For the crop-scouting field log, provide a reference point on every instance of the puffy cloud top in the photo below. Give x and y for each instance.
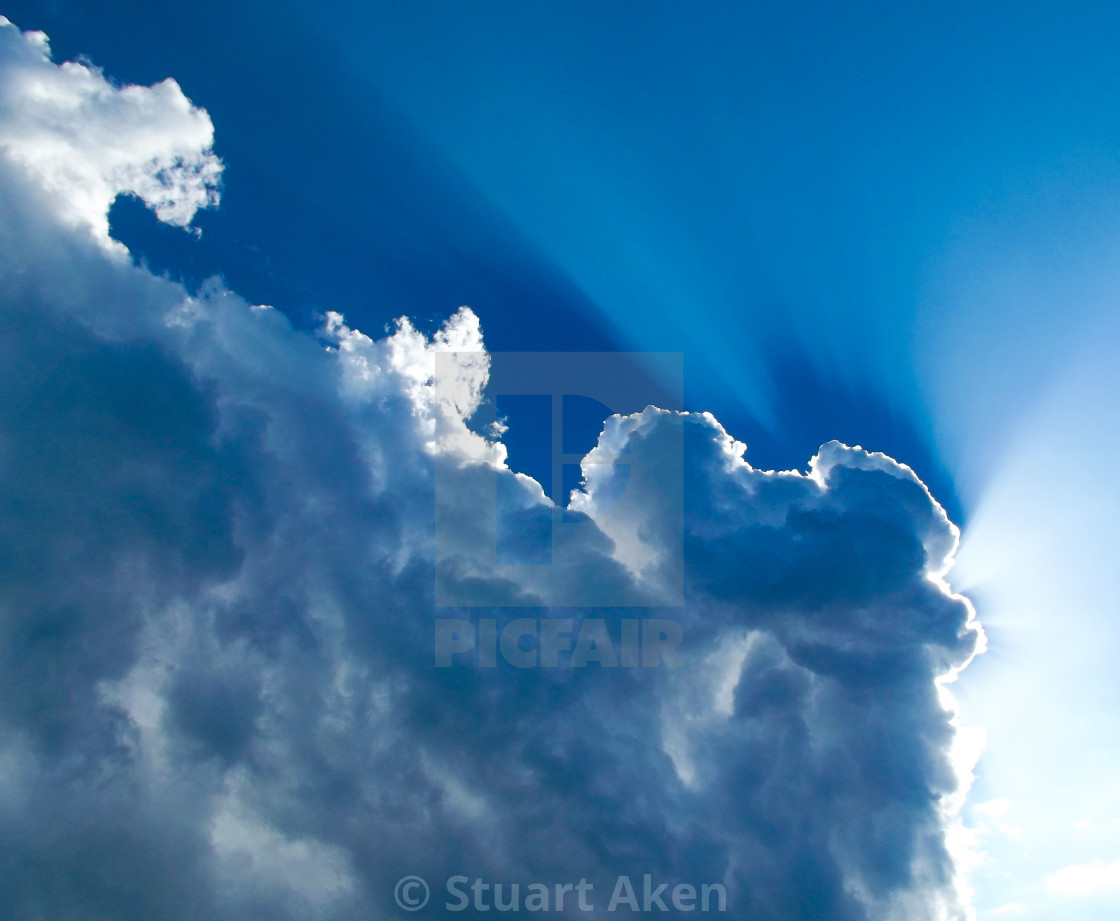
(87, 141)
(219, 548)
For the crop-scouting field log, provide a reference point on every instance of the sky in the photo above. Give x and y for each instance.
(240, 494)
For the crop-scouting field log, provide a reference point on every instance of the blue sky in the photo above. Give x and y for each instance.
(895, 227)
(794, 201)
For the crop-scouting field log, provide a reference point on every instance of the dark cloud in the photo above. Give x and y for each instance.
(219, 547)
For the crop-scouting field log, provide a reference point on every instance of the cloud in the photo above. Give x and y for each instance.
(86, 141)
(218, 560)
(1085, 879)
(1010, 910)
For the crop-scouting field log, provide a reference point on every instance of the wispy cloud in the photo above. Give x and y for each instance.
(1086, 878)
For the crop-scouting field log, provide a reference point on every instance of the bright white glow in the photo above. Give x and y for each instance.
(1037, 555)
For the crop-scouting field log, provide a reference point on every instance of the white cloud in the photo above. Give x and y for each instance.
(86, 141)
(1010, 910)
(1085, 879)
(217, 592)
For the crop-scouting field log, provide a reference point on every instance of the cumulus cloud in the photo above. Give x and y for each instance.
(218, 557)
(86, 141)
